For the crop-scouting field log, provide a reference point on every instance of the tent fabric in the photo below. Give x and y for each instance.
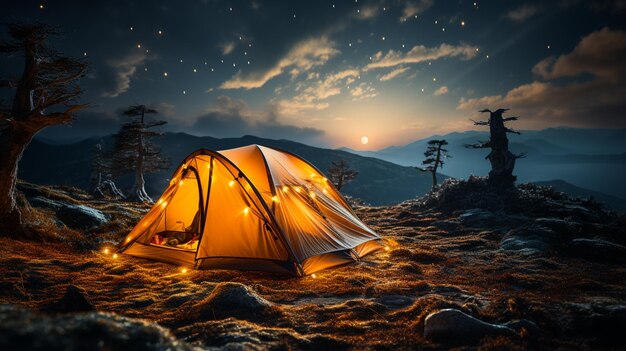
(252, 208)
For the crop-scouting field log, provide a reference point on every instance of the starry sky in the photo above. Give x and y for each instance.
(328, 73)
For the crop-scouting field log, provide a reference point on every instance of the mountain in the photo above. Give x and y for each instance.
(379, 182)
(610, 201)
(594, 159)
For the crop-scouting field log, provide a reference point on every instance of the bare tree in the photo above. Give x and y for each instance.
(135, 152)
(435, 154)
(340, 173)
(102, 184)
(45, 94)
(502, 160)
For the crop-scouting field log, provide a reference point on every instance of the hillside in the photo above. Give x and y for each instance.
(461, 270)
(379, 182)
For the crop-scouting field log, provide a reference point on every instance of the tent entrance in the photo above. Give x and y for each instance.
(180, 224)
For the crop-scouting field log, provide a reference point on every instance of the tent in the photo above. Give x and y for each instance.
(255, 208)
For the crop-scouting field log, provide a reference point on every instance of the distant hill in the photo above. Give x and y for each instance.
(588, 158)
(610, 201)
(379, 182)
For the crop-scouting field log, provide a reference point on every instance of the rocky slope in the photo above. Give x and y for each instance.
(468, 266)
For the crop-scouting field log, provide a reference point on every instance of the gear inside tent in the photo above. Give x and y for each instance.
(251, 208)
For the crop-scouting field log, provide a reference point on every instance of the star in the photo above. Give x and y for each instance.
(434, 79)
(41, 6)
(164, 74)
(443, 29)
(138, 46)
(195, 70)
(181, 60)
(131, 28)
(462, 23)
(160, 32)
(383, 38)
(84, 53)
(184, 92)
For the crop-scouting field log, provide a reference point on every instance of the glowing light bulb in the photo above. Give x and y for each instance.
(183, 270)
(138, 46)
(231, 183)
(313, 275)
(105, 251)
(275, 198)
(160, 201)
(312, 175)
(298, 189)
(180, 183)
(246, 210)
(128, 239)
(114, 255)
(285, 188)
(325, 191)
(387, 248)
(312, 194)
(164, 204)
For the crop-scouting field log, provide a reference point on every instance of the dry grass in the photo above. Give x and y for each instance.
(351, 307)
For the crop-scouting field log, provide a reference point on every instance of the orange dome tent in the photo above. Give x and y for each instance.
(253, 208)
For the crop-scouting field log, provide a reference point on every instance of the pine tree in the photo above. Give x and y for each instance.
(435, 154)
(502, 160)
(102, 185)
(340, 173)
(46, 94)
(134, 152)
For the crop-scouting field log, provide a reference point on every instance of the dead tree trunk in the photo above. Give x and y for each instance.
(502, 160)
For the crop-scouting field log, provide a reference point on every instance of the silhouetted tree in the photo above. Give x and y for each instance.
(340, 173)
(134, 152)
(102, 184)
(45, 94)
(502, 160)
(435, 153)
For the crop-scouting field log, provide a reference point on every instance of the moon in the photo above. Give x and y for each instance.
(365, 140)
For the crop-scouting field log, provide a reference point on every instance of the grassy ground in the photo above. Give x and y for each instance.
(379, 303)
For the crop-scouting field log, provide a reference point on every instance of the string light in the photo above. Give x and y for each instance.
(285, 188)
(312, 175)
(313, 275)
(298, 189)
(164, 204)
(231, 183)
(312, 194)
(387, 248)
(105, 251)
(180, 183)
(275, 198)
(128, 239)
(114, 255)
(325, 191)
(246, 210)
(183, 270)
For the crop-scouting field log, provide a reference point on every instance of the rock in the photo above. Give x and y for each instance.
(559, 225)
(232, 300)
(394, 301)
(24, 330)
(523, 326)
(477, 217)
(43, 202)
(449, 324)
(81, 217)
(74, 300)
(531, 240)
(598, 250)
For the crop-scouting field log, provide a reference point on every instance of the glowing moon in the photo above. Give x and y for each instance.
(364, 140)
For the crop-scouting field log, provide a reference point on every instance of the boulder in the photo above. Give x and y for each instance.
(477, 217)
(44, 202)
(559, 225)
(74, 300)
(21, 329)
(232, 300)
(452, 324)
(81, 217)
(531, 239)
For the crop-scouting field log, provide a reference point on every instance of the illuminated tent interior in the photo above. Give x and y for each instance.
(253, 208)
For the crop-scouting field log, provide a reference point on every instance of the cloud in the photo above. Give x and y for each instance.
(312, 93)
(441, 91)
(227, 47)
(523, 13)
(601, 54)
(120, 71)
(413, 8)
(421, 53)
(393, 74)
(233, 118)
(368, 11)
(584, 88)
(302, 57)
(363, 91)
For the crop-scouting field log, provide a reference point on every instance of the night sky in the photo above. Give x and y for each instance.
(329, 72)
